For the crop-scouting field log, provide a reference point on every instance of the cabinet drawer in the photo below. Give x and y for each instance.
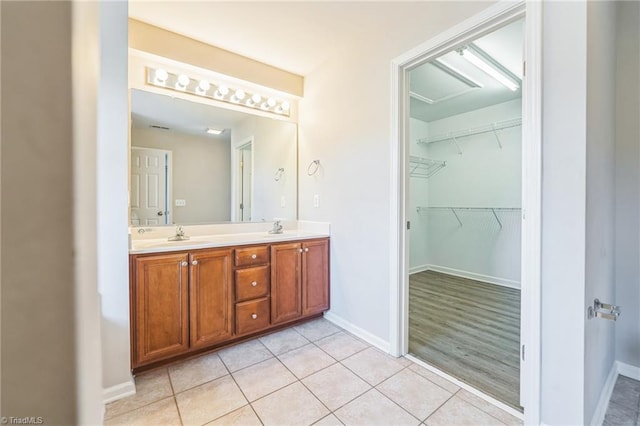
(252, 316)
(252, 283)
(250, 256)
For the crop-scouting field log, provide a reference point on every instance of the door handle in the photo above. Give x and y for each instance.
(160, 213)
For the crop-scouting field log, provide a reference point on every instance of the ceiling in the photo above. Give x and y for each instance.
(181, 116)
(295, 35)
(299, 36)
(447, 95)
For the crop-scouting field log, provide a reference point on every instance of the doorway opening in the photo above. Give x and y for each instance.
(465, 139)
(457, 211)
(245, 181)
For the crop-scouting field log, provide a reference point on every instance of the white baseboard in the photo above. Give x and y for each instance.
(628, 370)
(120, 391)
(466, 274)
(605, 396)
(417, 269)
(358, 332)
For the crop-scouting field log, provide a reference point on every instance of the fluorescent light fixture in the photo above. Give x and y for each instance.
(212, 131)
(489, 69)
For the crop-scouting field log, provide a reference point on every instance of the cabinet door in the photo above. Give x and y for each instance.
(315, 277)
(160, 304)
(211, 297)
(286, 288)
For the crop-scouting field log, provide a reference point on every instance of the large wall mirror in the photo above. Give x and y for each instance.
(196, 163)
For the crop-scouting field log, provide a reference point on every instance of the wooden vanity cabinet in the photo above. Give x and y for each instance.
(182, 302)
(210, 297)
(315, 277)
(252, 289)
(159, 302)
(299, 280)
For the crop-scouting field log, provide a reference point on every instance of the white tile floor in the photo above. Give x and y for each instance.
(314, 373)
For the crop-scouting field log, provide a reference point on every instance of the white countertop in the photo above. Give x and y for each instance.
(160, 245)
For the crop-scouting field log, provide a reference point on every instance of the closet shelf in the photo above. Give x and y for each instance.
(424, 167)
(488, 128)
(454, 210)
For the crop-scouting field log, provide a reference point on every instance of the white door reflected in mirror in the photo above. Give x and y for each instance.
(150, 186)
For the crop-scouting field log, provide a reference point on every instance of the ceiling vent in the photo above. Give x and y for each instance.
(153, 126)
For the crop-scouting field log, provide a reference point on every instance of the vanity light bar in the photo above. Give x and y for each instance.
(183, 83)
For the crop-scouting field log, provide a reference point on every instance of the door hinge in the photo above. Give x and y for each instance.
(241, 206)
(523, 352)
(408, 225)
(524, 69)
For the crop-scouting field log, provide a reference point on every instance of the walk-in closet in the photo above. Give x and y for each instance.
(465, 173)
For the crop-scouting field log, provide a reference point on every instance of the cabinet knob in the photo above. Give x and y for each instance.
(300, 250)
(254, 283)
(194, 262)
(183, 263)
(253, 256)
(254, 316)
(306, 249)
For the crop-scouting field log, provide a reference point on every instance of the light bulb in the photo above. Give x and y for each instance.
(203, 87)
(250, 102)
(279, 110)
(285, 105)
(161, 76)
(271, 102)
(224, 90)
(182, 83)
(240, 94)
(264, 106)
(256, 98)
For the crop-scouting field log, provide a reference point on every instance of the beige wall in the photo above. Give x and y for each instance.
(274, 147)
(155, 40)
(201, 173)
(38, 332)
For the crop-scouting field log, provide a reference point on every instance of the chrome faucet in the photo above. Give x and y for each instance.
(180, 236)
(277, 228)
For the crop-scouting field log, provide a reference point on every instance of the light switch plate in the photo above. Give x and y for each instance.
(181, 203)
(316, 200)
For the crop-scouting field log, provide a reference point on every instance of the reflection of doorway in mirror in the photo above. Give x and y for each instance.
(150, 186)
(245, 176)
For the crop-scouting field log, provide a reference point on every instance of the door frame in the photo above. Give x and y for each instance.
(474, 27)
(235, 170)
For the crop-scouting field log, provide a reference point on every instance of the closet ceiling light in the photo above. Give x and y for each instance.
(212, 131)
(218, 91)
(482, 64)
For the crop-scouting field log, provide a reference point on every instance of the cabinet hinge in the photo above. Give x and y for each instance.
(523, 352)
(524, 69)
(408, 225)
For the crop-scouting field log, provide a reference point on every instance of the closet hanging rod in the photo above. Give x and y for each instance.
(455, 209)
(420, 208)
(488, 128)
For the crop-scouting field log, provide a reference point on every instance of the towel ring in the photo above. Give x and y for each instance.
(315, 163)
(279, 174)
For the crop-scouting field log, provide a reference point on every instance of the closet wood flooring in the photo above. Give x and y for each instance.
(468, 329)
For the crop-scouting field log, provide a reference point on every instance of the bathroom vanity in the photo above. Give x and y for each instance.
(212, 291)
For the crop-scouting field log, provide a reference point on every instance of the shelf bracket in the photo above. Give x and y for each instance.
(496, 216)
(455, 141)
(456, 215)
(495, 133)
